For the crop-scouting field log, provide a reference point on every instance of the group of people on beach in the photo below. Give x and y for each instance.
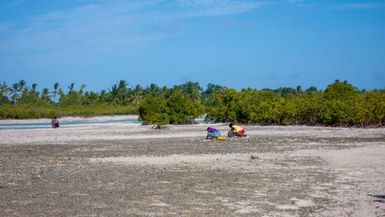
(212, 133)
(235, 131)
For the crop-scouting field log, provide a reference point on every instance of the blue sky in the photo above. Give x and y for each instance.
(236, 43)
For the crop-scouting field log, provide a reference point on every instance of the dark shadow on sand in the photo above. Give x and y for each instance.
(378, 197)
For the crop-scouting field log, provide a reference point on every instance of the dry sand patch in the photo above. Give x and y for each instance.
(125, 170)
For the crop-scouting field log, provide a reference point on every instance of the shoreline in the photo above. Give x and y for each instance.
(135, 117)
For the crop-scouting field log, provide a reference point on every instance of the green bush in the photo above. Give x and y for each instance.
(341, 104)
(176, 108)
(150, 108)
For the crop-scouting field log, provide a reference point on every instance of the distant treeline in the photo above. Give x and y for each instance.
(340, 104)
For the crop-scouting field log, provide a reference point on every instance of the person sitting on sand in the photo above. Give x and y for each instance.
(212, 133)
(236, 131)
(55, 122)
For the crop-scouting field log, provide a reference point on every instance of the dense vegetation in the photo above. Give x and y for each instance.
(340, 104)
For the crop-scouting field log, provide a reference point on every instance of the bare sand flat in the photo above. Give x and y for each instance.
(122, 169)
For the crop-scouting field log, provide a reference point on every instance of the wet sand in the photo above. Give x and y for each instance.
(122, 169)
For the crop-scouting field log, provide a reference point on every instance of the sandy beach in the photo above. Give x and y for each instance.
(125, 169)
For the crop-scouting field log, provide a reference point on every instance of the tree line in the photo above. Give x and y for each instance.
(340, 104)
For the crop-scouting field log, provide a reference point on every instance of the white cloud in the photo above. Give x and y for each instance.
(294, 1)
(100, 28)
(362, 5)
(218, 7)
(299, 3)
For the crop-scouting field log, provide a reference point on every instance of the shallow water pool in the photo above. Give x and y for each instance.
(36, 125)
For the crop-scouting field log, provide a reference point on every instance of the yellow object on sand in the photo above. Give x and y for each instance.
(221, 138)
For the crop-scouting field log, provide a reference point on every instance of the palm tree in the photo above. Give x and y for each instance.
(153, 90)
(61, 92)
(122, 91)
(21, 84)
(81, 90)
(32, 96)
(45, 95)
(71, 88)
(103, 97)
(4, 89)
(33, 88)
(136, 94)
(15, 93)
(114, 94)
(34, 91)
(55, 91)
